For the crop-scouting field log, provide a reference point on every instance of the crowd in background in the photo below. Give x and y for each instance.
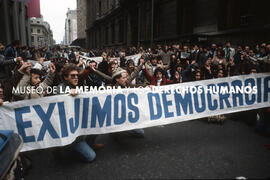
(162, 65)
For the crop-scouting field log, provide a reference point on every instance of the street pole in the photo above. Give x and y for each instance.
(152, 24)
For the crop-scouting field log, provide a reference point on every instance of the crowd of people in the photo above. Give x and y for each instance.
(162, 65)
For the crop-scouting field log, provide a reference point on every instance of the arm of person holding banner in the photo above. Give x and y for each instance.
(49, 79)
(148, 75)
(25, 81)
(101, 74)
(136, 71)
(14, 80)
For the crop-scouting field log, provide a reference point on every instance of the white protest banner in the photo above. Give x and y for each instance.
(59, 120)
(45, 63)
(135, 58)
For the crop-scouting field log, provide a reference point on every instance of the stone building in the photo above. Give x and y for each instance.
(41, 34)
(81, 23)
(70, 27)
(113, 23)
(14, 22)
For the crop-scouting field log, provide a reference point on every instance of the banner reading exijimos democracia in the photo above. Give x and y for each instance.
(58, 120)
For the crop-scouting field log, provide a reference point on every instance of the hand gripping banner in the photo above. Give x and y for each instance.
(59, 120)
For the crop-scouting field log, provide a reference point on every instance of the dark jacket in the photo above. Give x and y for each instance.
(153, 80)
(10, 52)
(123, 62)
(10, 84)
(104, 66)
(5, 71)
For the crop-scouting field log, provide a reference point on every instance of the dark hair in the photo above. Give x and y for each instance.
(159, 58)
(36, 71)
(130, 61)
(158, 69)
(59, 65)
(117, 77)
(68, 68)
(222, 53)
(152, 58)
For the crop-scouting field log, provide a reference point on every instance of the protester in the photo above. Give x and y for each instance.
(32, 80)
(163, 65)
(5, 62)
(70, 75)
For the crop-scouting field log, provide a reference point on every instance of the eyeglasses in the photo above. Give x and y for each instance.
(73, 76)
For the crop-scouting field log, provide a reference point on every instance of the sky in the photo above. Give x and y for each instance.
(54, 12)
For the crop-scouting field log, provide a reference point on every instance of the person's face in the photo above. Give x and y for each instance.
(2, 48)
(220, 74)
(159, 75)
(104, 55)
(178, 61)
(257, 47)
(268, 47)
(228, 44)
(93, 65)
(122, 54)
(214, 46)
(247, 48)
(239, 49)
(198, 76)
(154, 62)
(160, 62)
(208, 62)
(173, 57)
(35, 80)
(262, 51)
(251, 53)
(131, 67)
(108, 58)
(179, 69)
(185, 48)
(113, 66)
(73, 78)
(122, 81)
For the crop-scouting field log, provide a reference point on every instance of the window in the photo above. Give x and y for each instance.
(31, 30)
(32, 38)
(38, 22)
(38, 31)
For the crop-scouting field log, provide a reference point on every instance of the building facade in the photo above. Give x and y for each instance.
(41, 34)
(113, 23)
(34, 8)
(70, 27)
(81, 23)
(14, 22)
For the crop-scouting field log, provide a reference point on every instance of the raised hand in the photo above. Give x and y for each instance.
(52, 68)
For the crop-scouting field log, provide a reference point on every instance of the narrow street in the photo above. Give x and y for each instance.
(193, 149)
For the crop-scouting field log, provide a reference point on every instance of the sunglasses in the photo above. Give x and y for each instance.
(73, 76)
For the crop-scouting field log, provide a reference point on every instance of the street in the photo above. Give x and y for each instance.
(193, 149)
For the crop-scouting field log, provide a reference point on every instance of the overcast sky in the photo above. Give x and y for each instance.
(54, 12)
